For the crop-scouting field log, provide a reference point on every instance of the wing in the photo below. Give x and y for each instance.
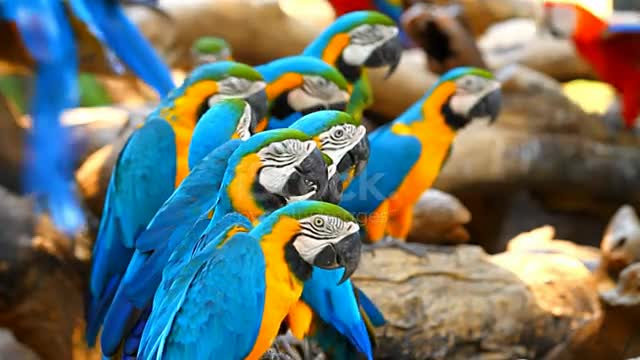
(214, 310)
(190, 199)
(210, 132)
(370, 309)
(138, 187)
(195, 196)
(337, 305)
(106, 19)
(392, 157)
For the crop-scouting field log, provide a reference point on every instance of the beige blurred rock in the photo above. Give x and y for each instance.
(542, 240)
(460, 303)
(519, 41)
(439, 218)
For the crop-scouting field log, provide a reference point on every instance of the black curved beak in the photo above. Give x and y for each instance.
(344, 254)
(311, 175)
(258, 102)
(489, 105)
(333, 194)
(388, 54)
(356, 158)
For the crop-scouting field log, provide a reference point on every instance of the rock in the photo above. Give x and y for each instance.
(41, 281)
(439, 218)
(440, 33)
(11, 349)
(542, 240)
(459, 303)
(621, 242)
(520, 41)
(479, 15)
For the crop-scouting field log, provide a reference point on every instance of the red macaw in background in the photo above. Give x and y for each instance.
(611, 47)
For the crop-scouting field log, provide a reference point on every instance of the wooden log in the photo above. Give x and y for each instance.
(459, 303)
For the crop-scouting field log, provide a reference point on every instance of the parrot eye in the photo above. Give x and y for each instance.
(339, 133)
(318, 222)
(319, 87)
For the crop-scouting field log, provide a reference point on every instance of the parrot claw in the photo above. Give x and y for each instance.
(288, 344)
(415, 249)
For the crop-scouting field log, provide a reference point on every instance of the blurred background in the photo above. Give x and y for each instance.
(539, 208)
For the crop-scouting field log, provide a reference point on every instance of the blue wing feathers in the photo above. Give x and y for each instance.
(337, 305)
(392, 157)
(221, 305)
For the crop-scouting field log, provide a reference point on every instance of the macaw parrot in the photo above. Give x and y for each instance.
(408, 153)
(229, 300)
(344, 140)
(391, 8)
(159, 151)
(262, 174)
(46, 29)
(612, 49)
(208, 49)
(354, 42)
(341, 138)
(299, 85)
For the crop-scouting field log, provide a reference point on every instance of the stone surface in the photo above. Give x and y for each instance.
(439, 218)
(459, 303)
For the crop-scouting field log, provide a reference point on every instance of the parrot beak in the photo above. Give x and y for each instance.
(344, 254)
(310, 179)
(333, 194)
(356, 158)
(488, 105)
(388, 54)
(258, 102)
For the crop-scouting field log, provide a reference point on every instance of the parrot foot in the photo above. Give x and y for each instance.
(416, 249)
(287, 344)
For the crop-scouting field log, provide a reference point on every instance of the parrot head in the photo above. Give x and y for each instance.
(569, 19)
(226, 120)
(209, 49)
(301, 85)
(209, 84)
(343, 139)
(274, 168)
(315, 233)
(461, 95)
(359, 39)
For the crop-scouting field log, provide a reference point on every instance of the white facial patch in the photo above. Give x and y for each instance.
(561, 20)
(279, 161)
(365, 39)
(340, 139)
(244, 123)
(316, 92)
(470, 89)
(318, 231)
(234, 88)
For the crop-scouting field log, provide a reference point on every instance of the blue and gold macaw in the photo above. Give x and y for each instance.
(299, 85)
(408, 153)
(156, 159)
(263, 173)
(354, 42)
(344, 140)
(209, 49)
(48, 31)
(229, 300)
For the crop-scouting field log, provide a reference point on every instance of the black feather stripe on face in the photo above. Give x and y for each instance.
(350, 72)
(300, 268)
(455, 121)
